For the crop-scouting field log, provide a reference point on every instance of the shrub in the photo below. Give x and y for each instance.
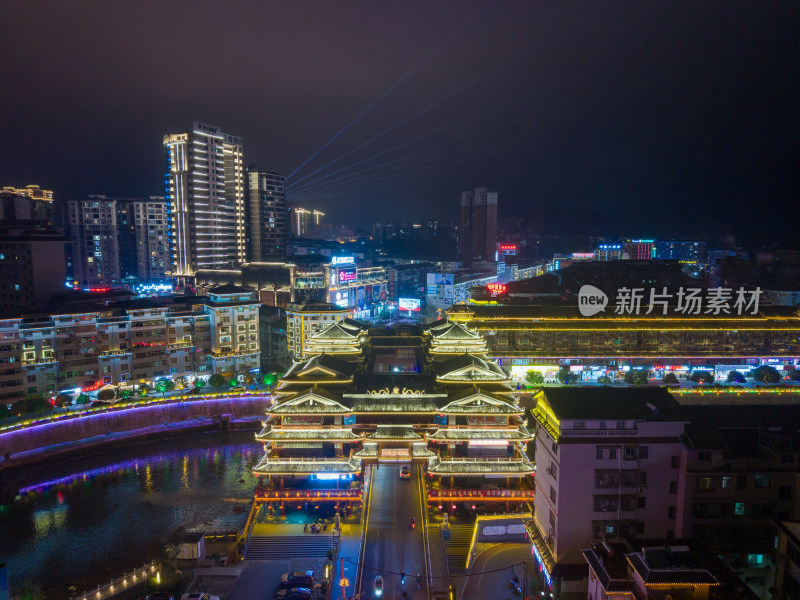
(670, 379)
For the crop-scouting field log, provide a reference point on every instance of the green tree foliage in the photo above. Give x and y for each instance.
(126, 394)
(640, 378)
(766, 374)
(106, 395)
(735, 377)
(233, 382)
(5, 411)
(702, 377)
(216, 380)
(604, 379)
(63, 400)
(534, 377)
(566, 376)
(83, 399)
(164, 385)
(19, 408)
(670, 379)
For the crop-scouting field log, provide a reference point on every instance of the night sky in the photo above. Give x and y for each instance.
(647, 118)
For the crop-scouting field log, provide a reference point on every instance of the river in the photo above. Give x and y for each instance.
(83, 521)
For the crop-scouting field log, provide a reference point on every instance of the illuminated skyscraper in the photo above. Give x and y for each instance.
(205, 199)
(477, 233)
(305, 222)
(266, 215)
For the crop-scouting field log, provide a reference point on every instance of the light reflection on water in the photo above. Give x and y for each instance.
(94, 518)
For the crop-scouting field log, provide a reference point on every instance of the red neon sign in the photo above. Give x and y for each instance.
(508, 246)
(496, 288)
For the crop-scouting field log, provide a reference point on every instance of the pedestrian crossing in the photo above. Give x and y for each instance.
(456, 548)
(290, 546)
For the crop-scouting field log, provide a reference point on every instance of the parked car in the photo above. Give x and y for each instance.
(160, 596)
(405, 472)
(199, 596)
(295, 593)
(302, 579)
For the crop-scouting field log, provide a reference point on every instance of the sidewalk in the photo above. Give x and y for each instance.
(440, 582)
(349, 550)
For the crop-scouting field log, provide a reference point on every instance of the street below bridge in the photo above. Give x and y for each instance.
(391, 545)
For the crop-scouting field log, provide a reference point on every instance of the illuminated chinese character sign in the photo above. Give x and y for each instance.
(686, 301)
(496, 288)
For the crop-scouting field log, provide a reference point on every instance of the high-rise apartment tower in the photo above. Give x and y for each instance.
(477, 234)
(205, 199)
(266, 215)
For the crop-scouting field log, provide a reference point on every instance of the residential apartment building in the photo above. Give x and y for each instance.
(26, 208)
(205, 193)
(32, 270)
(477, 232)
(266, 215)
(304, 320)
(143, 239)
(89, 345)
(92, 227)
(602, 459)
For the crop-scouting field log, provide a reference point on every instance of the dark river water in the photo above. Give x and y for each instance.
(84, 521)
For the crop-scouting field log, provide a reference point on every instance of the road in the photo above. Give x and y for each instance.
(492, 571)
(391, 545)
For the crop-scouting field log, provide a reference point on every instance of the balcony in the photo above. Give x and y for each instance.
(262, 495)
(480, 495)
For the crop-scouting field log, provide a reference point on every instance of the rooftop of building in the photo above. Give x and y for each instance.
(608, 562)
(315, 307)
(606, 403)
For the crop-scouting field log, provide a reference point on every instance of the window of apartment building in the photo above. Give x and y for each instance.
(599, 452)
(639, 527)
(580, 424)
(641, 502)
(673, 487)
(630, 453)
(704, 483)
(552, 519)
(620, 424)
(612, 453)
(552, 494)
(671, 512)
(741, 481)
(675, 462)
(738, 508)
(554, 470)
(641, 478)
(31, 378)
(726, 481)
(704, 456)
(643, 451)
(761, 481)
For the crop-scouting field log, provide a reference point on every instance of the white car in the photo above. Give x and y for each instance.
(405, 472)
(199, 596)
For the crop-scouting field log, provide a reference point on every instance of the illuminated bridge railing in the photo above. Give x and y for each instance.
(485, 495)
(272, 495)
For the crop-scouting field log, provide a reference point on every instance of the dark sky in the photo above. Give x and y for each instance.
(642, 118)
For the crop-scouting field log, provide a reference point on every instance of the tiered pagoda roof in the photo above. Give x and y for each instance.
(344, 337)
(454, 338)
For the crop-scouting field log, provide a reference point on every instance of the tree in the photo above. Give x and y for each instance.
(83, 399)
(604, 379)
(534, 377)
(216, 380)
(164, 385)
(106, 395)
(766, 374)
(735, 377)
(630, 377)
(269, 379)
(4, 411)
(670, 379)
(126, 394)
(794, 374)
(247, 379)
(566, 376)
(63, 400)
(181, 382)
(36, 403)
(702, 377)
(233, 382)
(19, 408)
(640, 378)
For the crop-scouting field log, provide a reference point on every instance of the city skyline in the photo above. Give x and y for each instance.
(543, 110)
